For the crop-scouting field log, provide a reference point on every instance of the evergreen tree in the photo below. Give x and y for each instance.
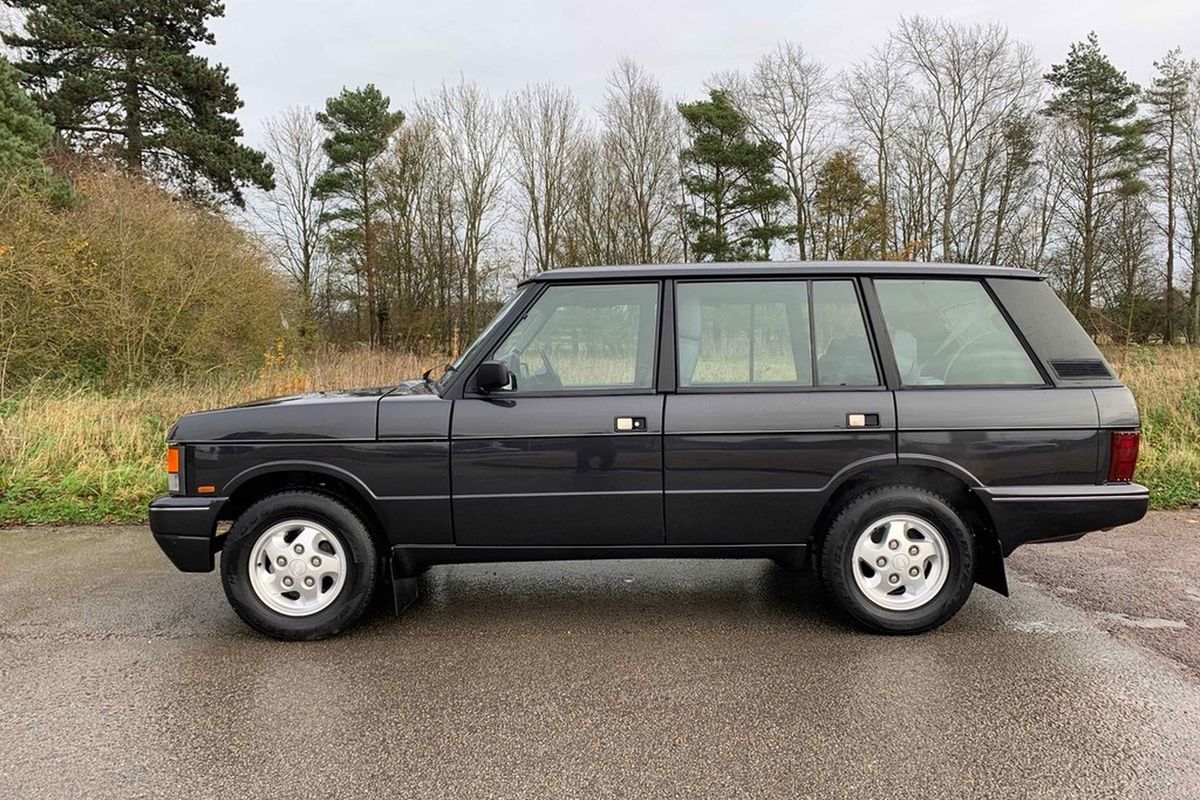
(121, 78)
(359, 123)
(1168, 100)
(1099, 104)
(734, 214)
(24, 132)
(845, 209)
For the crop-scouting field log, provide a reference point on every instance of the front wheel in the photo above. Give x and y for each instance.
(899, 559)
(299, 565)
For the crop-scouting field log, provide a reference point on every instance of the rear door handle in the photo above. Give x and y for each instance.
(857, 420)
(628, 424)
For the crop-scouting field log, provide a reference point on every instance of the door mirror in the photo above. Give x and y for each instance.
(492, 375)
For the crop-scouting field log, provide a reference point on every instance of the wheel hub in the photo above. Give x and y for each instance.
(900, 562)
(297, 567)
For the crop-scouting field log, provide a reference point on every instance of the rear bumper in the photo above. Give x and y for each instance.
(1025, 514)
(185, 528)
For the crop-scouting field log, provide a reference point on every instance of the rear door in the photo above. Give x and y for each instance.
(570, 453)
(778, 393)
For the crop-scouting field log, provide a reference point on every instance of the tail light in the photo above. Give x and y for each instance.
(173, 469)
(1122, 457)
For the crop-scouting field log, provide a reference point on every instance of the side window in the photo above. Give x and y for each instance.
(743, 333)
(950, 333)
(840, 337)
(585, 337)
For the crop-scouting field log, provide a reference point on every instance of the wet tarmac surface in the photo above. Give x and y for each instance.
(122, 678)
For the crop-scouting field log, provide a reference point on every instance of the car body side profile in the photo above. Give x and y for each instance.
(901, 428)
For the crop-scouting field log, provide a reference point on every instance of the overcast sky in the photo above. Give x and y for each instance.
(298, 52)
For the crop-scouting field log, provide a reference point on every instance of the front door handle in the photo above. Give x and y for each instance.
(855, 420)
(629, 424)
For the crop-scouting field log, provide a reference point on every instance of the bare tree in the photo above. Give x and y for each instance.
(470, 129)
(1168, 101)
(291, 213)
(640, 135)
(872, 93)
(545, 129)
(1189, 200)
(785, 97)
(973, 78)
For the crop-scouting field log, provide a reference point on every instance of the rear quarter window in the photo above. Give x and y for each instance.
(951, 333)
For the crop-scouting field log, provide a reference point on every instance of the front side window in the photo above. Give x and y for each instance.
(950, 333)
(772, 333)
(584, 337)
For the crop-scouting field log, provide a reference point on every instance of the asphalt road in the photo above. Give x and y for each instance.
(122, 678)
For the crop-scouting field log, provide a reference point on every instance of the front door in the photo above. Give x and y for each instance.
(570, 453)
(779, 393)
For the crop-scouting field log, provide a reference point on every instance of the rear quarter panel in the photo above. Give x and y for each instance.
(1002, 437)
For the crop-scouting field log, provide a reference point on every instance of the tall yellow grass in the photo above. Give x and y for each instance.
(77, 455)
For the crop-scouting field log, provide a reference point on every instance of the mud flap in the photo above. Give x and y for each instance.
(989, 572)
(405, 588)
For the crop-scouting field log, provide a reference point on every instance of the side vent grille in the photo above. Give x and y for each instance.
(1080, 369)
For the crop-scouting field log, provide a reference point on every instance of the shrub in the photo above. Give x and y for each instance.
(126, 286)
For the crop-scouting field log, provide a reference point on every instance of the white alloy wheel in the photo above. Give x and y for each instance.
(297, 567)
(900, 562)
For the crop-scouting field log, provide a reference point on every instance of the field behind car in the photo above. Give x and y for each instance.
(71, 454)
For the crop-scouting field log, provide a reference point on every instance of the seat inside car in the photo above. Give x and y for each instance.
(688, 329)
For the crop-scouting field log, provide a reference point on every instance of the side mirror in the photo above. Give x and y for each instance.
(492, 375)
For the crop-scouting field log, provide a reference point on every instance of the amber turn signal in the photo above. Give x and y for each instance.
(206, 489)
(172, 460)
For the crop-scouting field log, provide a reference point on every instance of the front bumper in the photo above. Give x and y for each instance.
(185, 528)
(1025, 514)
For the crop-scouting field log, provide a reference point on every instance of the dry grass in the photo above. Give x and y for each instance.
(76, 455)
(82, 456)
(1166, 383)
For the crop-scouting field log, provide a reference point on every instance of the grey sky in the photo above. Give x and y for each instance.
(298, 52)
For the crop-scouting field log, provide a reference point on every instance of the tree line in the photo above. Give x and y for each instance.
(404, 226)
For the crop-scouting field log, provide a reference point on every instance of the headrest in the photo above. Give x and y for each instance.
(687, 318)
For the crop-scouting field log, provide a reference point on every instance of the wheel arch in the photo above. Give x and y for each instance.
(264, 479)
(944, 477)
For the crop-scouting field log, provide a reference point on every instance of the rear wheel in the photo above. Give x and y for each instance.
(299, 565)
(898, 559)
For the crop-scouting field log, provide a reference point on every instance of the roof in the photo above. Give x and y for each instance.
(779, 269)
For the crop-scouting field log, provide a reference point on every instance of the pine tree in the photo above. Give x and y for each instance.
(121, 78)
(359, 123)
(736, 198)
(25, 135)
(1099, 103)
(1168, 100)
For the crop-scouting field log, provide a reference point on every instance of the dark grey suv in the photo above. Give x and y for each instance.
(900, 427)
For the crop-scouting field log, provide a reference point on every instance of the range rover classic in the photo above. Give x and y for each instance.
(898, 428)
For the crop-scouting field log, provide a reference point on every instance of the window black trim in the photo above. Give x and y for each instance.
(667, 362)
(473, 394)
(740, 388)
(885, 334)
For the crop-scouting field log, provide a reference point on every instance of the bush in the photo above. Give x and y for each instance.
(126, 285)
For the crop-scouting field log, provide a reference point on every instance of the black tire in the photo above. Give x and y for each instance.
(363, 565)
(859, 511)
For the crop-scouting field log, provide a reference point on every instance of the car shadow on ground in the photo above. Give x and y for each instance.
(601, 594)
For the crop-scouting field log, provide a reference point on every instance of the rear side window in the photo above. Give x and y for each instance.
(950, 333)
(786, 334)
(840, 341)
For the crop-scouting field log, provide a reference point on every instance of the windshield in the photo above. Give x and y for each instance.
(483, 335)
